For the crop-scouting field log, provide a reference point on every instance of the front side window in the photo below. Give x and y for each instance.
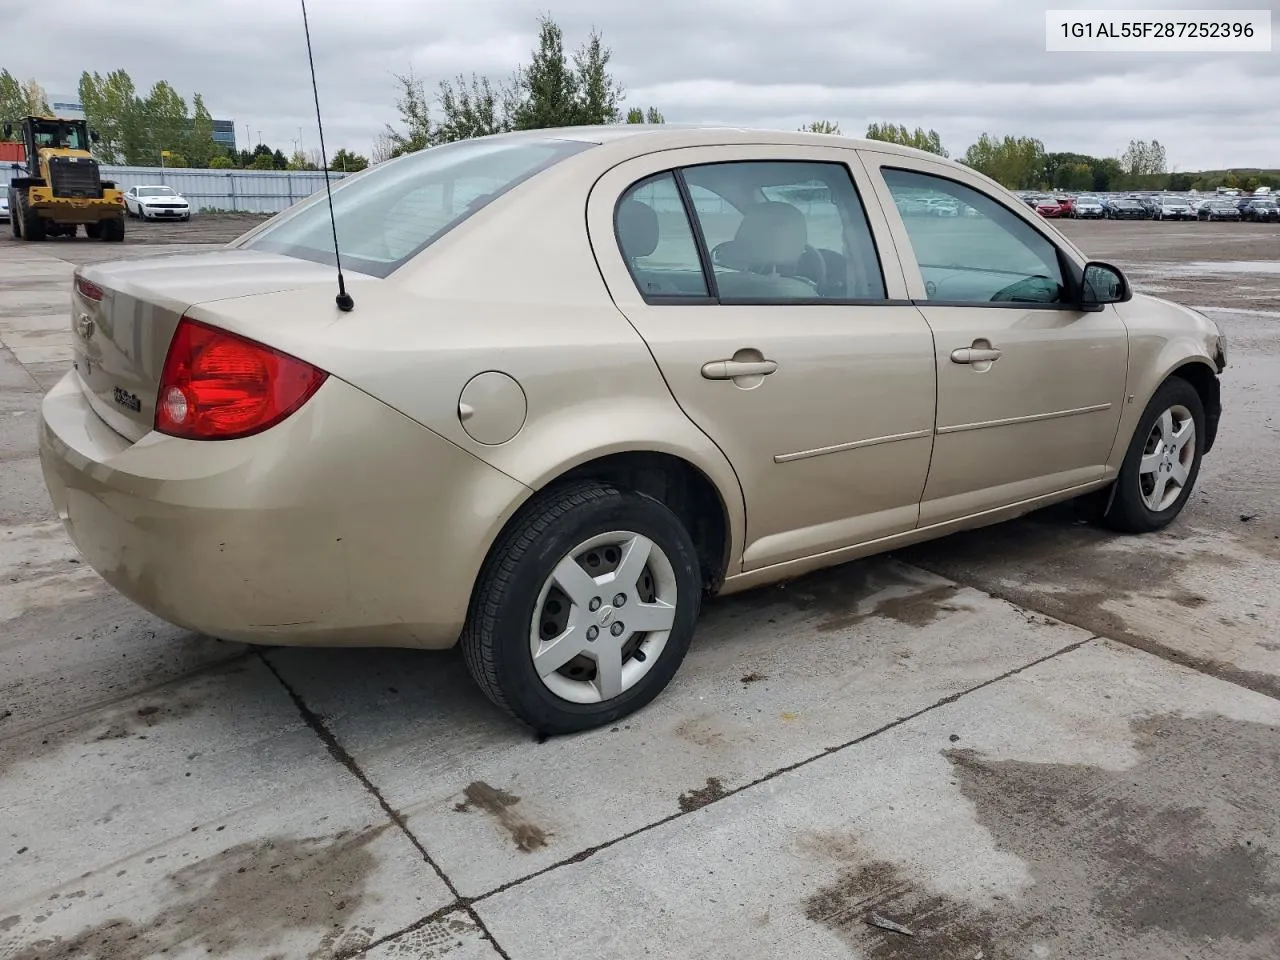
(657, 241)
(989, 256)
(779, 231)
(391, 212)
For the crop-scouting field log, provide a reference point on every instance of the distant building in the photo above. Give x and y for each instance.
(69, 106)
(224, 133)
(66, 105)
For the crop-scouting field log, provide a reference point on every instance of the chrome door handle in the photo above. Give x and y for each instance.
(975, 355)
(732, 369)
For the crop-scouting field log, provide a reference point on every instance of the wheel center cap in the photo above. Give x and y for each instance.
(605, 615)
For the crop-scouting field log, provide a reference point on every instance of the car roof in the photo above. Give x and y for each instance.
(671, 135)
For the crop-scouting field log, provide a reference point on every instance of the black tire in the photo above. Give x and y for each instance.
(496, 640)
(32, 226)
(112, 231)
(93, 230)
(1129, 512)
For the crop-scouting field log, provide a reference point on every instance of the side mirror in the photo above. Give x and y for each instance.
(1102, 284)
(93, 135)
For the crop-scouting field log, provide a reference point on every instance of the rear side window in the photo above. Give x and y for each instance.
(771, 232)
(785, 231)
(388, 214)
(657, 241)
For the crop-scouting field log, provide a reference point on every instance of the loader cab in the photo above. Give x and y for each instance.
(52, 133)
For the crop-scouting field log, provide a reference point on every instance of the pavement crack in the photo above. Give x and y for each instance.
(1256, 682)
(726, 794)
(340, 754)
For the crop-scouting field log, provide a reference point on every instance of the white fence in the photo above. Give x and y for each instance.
(244, 191)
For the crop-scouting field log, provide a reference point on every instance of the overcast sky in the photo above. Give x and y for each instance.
(959, 66)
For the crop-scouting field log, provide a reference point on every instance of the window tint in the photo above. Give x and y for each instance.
(657, 240)
(394, 210)
(982, 252)
(785, 230)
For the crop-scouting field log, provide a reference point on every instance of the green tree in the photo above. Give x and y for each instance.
(13, 102)
(221, 162)
(1107, 174)
(415, 114)
(165, 114)
(198, 144)
(921, 139)
(300, 161)
(1142, 159)
(637, 115)
(263, 161)
(1250, 184)
(37, 101)
(113, 108)
(548, 85)
(1015, 162)
(552, 90)
(347, 162)
(472, 109)
(598, 95)
(821, 126)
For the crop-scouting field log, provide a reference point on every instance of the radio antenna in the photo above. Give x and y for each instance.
(343, 299)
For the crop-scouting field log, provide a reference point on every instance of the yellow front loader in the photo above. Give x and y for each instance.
(61, 187)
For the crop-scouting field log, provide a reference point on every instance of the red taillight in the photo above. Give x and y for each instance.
(219, 386)
(88, 289)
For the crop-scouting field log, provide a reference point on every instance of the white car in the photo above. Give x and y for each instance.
(1089, 207)
(156, 203)
(1174, 208)
(4, 205)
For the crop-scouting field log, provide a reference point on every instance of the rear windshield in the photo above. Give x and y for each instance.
(391, 212)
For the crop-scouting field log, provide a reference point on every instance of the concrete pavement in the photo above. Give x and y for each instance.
(1003, 755)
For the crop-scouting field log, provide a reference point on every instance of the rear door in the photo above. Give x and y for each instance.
(778, 333)
(1030, 388)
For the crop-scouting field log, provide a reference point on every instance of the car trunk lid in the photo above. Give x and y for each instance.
(124, 314)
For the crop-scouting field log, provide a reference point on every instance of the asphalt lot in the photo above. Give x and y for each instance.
(1032, 741)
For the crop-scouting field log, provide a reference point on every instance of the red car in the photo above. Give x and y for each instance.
(1055, 207)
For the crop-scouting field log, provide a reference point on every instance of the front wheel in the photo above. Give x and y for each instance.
(1163, 461)
(585, 609)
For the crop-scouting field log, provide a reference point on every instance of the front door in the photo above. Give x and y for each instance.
(770, 318)
(1030, 388)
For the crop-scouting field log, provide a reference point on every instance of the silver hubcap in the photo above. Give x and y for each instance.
(1167, 458)
(603, 617)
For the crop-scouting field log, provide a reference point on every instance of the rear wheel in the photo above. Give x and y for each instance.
(92, 230)
(585, 609)
(1163, 461)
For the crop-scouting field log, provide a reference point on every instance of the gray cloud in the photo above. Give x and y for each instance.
(959, 67)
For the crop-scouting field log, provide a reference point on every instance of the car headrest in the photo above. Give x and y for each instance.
(770, 235)
(637, 229)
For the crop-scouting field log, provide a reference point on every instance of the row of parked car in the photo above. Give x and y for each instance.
(1154, 207)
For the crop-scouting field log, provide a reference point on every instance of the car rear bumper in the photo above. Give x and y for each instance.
(346, 525)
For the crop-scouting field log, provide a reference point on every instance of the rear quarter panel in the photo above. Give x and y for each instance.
(514, 288)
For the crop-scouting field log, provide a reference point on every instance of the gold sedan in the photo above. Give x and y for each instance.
(592, 375)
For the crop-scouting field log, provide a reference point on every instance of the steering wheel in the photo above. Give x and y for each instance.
(1025, 290)
(814, 255)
